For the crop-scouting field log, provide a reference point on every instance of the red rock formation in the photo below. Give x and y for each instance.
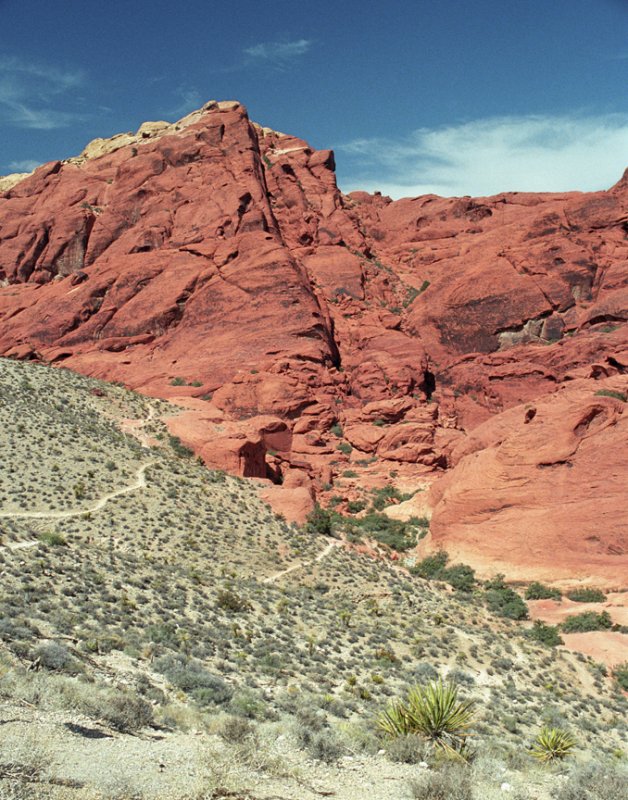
(314, 333)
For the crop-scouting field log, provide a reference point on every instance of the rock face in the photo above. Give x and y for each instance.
(308, 334)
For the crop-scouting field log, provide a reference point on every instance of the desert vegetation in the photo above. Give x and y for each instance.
(179, 640)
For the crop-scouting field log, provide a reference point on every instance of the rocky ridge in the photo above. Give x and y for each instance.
(474, 345)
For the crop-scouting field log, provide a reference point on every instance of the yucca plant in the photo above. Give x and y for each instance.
(432, 711)
(552, 744)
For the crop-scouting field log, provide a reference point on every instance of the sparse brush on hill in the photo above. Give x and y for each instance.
(179, 601)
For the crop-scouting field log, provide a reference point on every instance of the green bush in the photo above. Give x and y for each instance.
(385, 495)
(587, 596)
(52, 539)
(538, 591)
(460, 576)
(394, 533)
(620, 673)
(320, 521)
(434, 567)
(431, 566)
(504, 601)
(544, 634)
(587, 621)
(180, 449)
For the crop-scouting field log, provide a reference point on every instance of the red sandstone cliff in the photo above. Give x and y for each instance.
(460, 342)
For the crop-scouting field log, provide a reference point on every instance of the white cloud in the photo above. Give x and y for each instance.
(488, 156)
(28, 91)
(28, 165)
(278, 52)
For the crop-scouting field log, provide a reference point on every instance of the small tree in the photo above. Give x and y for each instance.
(320, 520)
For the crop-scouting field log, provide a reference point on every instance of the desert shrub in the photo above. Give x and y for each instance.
(51, 538)
(451, 782)
(344, 447)
(552, 744)
(407, 749)
(230, 601)
(325, 746)
(56, 657)
(179, 448)
(587, 621)
(337, 430)
(394, 533)
(620, 673)
(320, 521)
(585, 595)
(12, 631)
(460, 576)
(355, 506)
(125, 711)
(432, 711)
(544, 634)
(385, 495)
(424, 672)
(191, 677)
(314, 734)
(246, 703)
(434, 567)
(595, 782)
(236, 730)
(431, 566)
(538, 591)
(504, 601)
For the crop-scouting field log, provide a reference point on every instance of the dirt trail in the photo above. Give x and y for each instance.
(140, 481)
(301, 564)
(135, 427)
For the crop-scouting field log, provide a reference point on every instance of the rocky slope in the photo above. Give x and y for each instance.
(326, 342)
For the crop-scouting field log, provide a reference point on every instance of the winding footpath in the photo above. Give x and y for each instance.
(139, 483)
(302, 564)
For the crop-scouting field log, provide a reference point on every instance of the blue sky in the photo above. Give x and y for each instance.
(448, 96)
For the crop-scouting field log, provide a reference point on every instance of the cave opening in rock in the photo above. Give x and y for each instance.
(429, 384)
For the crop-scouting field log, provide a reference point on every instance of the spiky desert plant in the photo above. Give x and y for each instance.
(552, 744)
(395, 720)
(432, 711)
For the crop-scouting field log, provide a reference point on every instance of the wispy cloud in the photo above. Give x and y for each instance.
(30, 94)
(488, 156)
(278, 53)
(27, 165)
(189, 100)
